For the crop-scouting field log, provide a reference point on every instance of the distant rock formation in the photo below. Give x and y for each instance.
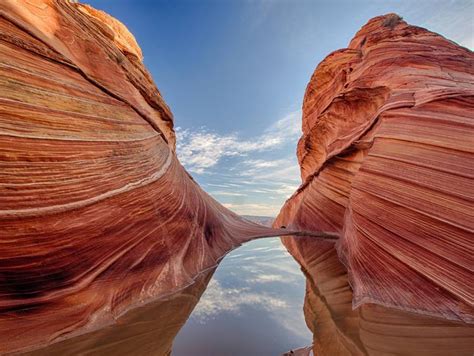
(262, 220)
(97, 216)
(387, 162)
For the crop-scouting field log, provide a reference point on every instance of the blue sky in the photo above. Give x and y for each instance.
(234, 74)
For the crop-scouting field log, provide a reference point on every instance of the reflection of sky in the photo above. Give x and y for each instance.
(252, 306)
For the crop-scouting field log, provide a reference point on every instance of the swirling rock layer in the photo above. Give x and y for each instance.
(387, 162)
(147, 330)
(97, 216)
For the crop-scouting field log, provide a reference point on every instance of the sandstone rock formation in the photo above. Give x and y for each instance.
(387, 162)
(147, 330)
(97, 216)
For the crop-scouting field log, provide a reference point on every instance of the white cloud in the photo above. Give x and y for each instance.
(267, 278)
(260, 163)
(226, 185)
(217, 299)
(229, 194)
(202, 149)
(250, 287)
(283, 266)
(286, 170)
(452, 19)
(273, 181)
(254, 208)
(253, 182)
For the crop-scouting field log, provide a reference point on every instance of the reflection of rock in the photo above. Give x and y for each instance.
(147, 330)
(97, 215)
(386, 161)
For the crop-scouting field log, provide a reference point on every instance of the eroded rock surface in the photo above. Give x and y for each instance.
(387, 162)
(97, 216)
(147, 330)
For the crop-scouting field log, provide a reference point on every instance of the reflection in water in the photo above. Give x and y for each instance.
(252, 306)
(147, 330)
(370, 329)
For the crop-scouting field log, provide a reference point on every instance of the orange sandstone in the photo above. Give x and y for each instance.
(387, 162)
(97, 216)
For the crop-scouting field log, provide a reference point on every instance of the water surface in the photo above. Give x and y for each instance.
(253, 305)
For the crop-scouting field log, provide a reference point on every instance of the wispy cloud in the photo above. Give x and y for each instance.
(217, 299)
(229, 194)
(260, 163)
(201, 149)
(269, 278)
(452, 19)
(264, 209)
(239, 289)
(249, 175)
(285, 169)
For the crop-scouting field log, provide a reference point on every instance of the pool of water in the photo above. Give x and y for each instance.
(253, 305)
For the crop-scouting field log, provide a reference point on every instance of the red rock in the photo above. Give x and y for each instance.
(146, 330)
(97, 215)
(387, 162)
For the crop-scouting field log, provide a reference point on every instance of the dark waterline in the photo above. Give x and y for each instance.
(252, 306)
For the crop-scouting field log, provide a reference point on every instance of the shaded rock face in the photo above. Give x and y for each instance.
(147, 330)
(387, 162)
(97, 215)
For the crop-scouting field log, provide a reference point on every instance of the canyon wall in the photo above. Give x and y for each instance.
(387, 163)
(147, 330)
(97, 216)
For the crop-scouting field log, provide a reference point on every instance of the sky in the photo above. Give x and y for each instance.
(234, 73)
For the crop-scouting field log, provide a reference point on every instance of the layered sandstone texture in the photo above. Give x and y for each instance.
(146, 330)
(387, 163)
(97, 216)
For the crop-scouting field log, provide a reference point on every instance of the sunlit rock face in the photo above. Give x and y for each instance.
(387, 162)
(97, 216)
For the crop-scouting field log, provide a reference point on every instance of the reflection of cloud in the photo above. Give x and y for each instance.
(217, 299)
(287, 267)
(234, 256)
(258, 249)
(279, 248)
(249, 258)
(266, 278)
(269, 282)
